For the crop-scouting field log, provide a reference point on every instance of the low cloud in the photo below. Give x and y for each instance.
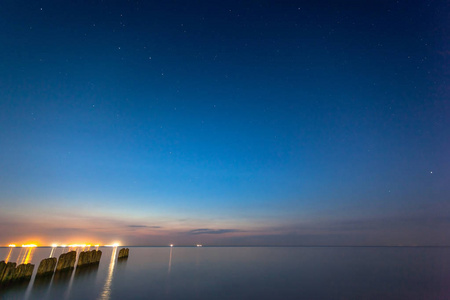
(143, 226)
(212, 231)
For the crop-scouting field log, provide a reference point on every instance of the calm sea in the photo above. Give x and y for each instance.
(248, 273)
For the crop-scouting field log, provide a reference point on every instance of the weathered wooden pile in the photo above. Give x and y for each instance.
(66, 261)
(89, 258)
(123, 253)
(10, 273)
(46, 267)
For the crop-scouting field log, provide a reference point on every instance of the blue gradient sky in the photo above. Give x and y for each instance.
(281, 123)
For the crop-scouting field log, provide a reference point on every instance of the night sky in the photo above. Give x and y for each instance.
(225, 122)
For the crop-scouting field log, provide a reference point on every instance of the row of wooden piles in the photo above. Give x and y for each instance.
(10, 273)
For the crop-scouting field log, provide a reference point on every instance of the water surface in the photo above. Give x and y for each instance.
(247, 273)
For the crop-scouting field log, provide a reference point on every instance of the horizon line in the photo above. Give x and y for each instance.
(256, 246)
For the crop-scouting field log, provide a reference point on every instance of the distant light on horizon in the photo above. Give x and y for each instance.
(55, 245)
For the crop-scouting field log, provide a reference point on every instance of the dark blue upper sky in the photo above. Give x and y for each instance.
(231, 122)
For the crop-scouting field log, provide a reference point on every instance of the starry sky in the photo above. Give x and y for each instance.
(225, 122)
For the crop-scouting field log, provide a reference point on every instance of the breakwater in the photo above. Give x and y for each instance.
(11, 273)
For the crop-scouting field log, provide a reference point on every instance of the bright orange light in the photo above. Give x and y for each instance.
(96, 245)
(11, 245)
(29, 246)
(54, 245)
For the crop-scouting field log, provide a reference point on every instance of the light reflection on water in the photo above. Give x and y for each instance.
(9, 255)
(248, 273)
(51, 253)
(28, 255)
(170, 260)
(107, 287)
(20, 256)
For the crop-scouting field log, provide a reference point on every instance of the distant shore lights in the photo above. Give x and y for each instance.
(54, 245)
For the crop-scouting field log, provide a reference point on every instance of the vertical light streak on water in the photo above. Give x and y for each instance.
(170, 260)
(53, 250)
(29, 288)
(168, 272)
(47, 293)
(29, 255)
(69, 288)
(106, 293)
(27, 250)
(20, 254)
(26, 259)
(197, 264)
(9, 255)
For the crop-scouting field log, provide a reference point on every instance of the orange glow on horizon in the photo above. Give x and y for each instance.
(71, 246)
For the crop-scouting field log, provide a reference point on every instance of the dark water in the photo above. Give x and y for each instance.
(248, 273)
